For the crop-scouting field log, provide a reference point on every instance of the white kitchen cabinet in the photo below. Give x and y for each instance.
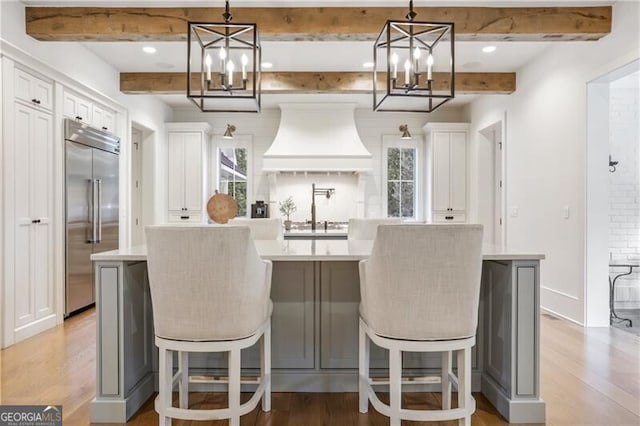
(186, 170)
(77, 107)
(447, 171)
(103, 118)
(29, 219)
(32, 90)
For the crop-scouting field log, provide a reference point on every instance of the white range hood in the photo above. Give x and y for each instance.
(317, 137)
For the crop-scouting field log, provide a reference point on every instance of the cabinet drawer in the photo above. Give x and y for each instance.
(452, 217)
(185, 217)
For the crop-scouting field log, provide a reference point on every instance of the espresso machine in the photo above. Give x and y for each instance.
(259, 210)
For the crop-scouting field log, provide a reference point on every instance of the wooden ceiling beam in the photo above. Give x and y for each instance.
(316, 82)
(318, 23)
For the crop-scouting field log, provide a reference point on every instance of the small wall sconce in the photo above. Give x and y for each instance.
(405, 131)
(612, 165)
(228, 134)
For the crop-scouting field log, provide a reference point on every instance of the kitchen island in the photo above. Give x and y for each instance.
(315, 293)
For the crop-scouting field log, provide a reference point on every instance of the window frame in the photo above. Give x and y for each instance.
(238, 141)
(395, 141)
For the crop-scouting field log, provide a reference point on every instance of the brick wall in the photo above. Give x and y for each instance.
(624, 188)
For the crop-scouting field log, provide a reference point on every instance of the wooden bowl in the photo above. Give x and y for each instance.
(222, 207)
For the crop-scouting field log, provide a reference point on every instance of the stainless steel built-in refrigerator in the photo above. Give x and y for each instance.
(91, 192)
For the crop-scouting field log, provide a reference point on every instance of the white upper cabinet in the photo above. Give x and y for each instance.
(77, 108)
(186, 170)
(82, 109)
(447, 160)
(33, 90)
(103, 118)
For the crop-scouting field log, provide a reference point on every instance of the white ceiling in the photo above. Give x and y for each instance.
(308, 55)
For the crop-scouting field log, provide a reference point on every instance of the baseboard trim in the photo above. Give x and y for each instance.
(517, 410)
(564, 317)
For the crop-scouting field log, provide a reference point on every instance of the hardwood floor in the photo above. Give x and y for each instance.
(589, 377)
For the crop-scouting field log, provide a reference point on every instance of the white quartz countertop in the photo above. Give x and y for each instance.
(316, 250)
(317, 233)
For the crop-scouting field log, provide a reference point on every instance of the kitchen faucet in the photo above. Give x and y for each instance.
(327, 192)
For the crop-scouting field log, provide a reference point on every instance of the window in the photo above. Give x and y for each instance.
(234, 171)
(400, 173)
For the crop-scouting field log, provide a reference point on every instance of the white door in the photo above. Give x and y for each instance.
(41, 172)
(458, 171)
(193, 171)
(136, 187)
(441, 171)
(176, 183)
(23, 274)
(498, 185)
(33, 260)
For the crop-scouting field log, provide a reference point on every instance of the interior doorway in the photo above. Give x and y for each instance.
(492, 183)
(136, 186)
(612, 193)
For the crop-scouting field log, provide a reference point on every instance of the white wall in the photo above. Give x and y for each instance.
(370, 125)
(545, 149)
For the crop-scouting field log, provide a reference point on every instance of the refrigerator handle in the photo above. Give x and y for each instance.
(94, 205)
(91, 234)
(99, 210)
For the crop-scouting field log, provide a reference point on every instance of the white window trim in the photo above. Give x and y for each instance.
(238, 141)
(395, 141)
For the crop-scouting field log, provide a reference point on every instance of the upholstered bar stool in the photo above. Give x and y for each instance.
(261, 229)
(420, 291)
(209, 293)
(366, 228)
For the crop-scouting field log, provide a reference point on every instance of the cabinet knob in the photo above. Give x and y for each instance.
(104, 128)
(184, 217)
(35, 221)
(78, 118)
(35, 101)
(448, 217)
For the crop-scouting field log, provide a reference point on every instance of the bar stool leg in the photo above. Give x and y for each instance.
(265, 367)
(464, 383)
(446, 380)
(166, 385)
(363, 373)
(183, 384)
(395, 385)
(234, 387)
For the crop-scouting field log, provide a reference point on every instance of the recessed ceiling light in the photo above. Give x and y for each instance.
(149, 49)
(489, 49)
(368, 65)
(267, 65)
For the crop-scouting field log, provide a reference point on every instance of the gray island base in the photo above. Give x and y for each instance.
(315, 293)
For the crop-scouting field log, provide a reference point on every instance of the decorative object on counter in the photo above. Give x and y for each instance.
(612, 165)
(286, 208)
(228, 134)
(327, 192)
(414, 46)
(222, 207)
(405, 131)
(223, 65)
(259, 210)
